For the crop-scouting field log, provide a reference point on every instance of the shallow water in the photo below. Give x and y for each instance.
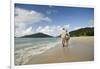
(25, 48)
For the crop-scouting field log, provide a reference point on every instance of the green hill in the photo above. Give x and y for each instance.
(83, 32)
(37, 35)
(88, 31)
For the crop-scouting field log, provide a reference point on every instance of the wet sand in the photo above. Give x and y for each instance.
(80, 49)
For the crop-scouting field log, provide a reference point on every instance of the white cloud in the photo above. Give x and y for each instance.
(27, 16)
(19, 32)
(51, 12)
(76, 28)
(48, 12)
(24, 20)
(51, 30)
(91, 23)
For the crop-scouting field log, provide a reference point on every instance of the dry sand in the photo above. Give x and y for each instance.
(80, 49)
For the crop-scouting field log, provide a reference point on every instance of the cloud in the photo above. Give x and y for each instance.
(24, 19)
(48, 12)
(19, 32)
(53, 30)
(27, 16)
(76, 28)
(91, 23)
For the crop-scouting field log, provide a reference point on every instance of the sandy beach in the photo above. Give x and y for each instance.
(80, 49)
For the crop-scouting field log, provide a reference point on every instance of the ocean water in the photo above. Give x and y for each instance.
(26, 48)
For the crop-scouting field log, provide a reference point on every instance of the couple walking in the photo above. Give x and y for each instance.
(65, 36)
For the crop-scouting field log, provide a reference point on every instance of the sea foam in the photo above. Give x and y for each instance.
(23, 55)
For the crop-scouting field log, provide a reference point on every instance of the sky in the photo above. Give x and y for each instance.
(48, 19)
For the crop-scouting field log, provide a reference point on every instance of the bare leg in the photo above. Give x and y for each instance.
(66, 42)
(63, 42)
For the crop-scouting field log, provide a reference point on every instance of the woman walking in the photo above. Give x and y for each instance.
(65, 36)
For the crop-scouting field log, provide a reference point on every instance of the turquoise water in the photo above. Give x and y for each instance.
(25, 48)
(24, 42)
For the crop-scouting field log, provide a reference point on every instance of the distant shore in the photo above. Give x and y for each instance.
(80, 49)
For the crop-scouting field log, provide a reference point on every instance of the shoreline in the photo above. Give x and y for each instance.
(80, 49)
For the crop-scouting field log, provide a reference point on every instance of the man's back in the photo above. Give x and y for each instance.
(63, 34)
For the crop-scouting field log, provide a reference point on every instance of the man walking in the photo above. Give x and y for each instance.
(65, 37)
